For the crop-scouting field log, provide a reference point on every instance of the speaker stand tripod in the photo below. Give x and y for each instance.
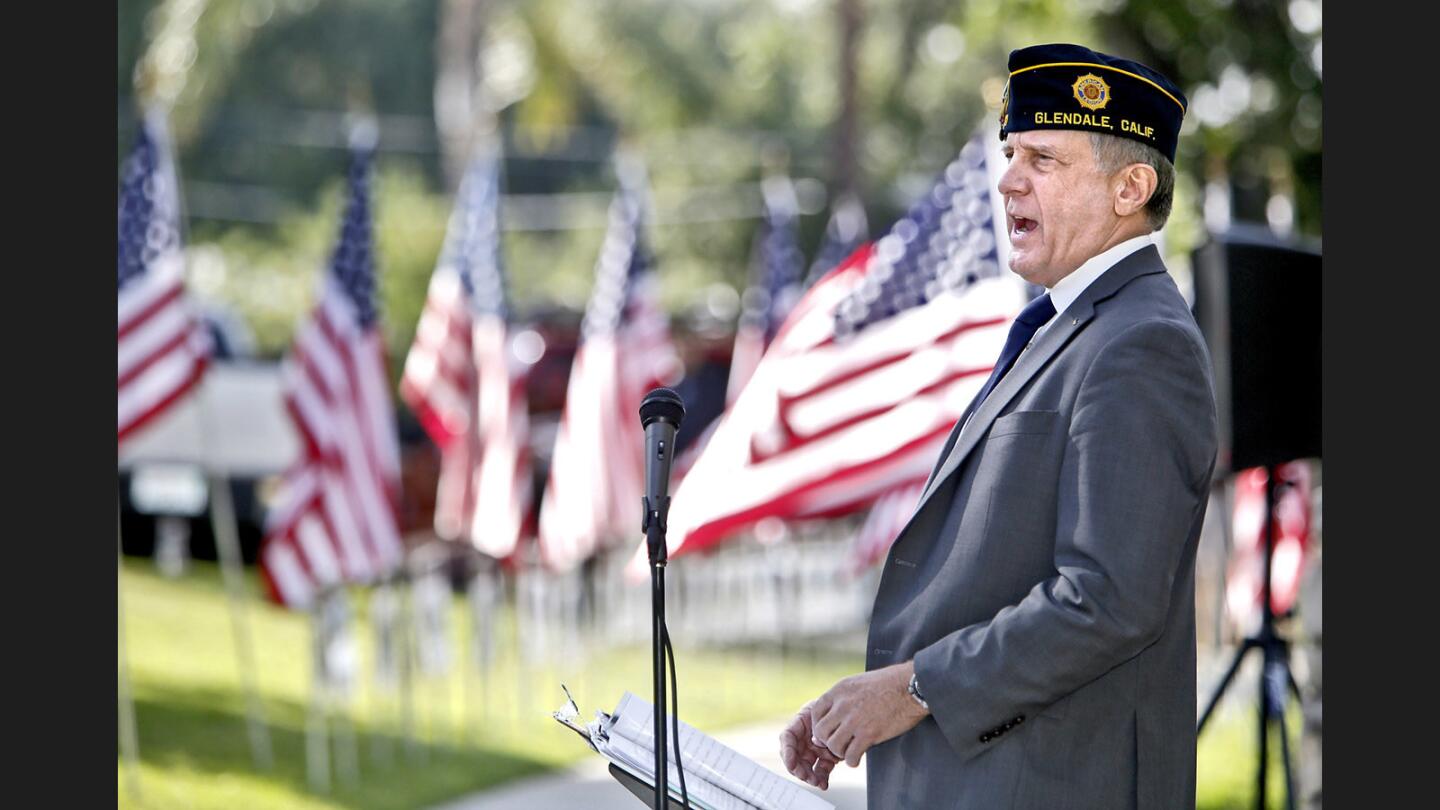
(1276, 682)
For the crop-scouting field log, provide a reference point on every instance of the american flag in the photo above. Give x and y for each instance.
(869, 373)
(335, 515)
(597, 469)
(465, 383)
(776, 284)
(776, 262)
(162, 347)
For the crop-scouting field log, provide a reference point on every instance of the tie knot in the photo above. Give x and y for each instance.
(1037, 312)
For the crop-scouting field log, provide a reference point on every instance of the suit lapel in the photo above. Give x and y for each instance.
(1025, 367)
(1069, 323)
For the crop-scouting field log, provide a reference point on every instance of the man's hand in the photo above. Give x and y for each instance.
(864, 710)
(803, 758)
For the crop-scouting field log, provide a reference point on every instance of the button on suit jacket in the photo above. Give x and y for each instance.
(1044, 585)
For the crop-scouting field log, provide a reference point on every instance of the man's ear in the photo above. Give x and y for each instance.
(1134, 185)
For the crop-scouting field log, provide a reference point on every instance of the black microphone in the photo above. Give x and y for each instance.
(661, 412)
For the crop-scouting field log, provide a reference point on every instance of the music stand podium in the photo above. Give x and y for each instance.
(645, 790)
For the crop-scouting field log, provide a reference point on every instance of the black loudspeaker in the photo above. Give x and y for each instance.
(1257, 300)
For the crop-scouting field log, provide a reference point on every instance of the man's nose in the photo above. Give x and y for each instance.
(1012, 181)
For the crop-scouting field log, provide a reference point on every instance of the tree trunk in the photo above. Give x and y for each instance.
(459, 110)
(847, 178)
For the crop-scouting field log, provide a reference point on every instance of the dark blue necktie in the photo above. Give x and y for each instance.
(1031, 318)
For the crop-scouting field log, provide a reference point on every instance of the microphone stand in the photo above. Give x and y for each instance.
(653, 524)
(664, 407)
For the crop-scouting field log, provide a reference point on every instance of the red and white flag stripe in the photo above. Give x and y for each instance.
(588, 465)
(439, 386)
(161, 346)
(597, 469)
(465, 382)
(869, 373)
(336, 516)
(825, 428)
(439, 378)
(502, 497)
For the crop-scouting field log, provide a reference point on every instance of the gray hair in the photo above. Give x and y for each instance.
(1113, 153)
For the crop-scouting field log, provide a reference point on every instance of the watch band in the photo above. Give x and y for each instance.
(914, 690)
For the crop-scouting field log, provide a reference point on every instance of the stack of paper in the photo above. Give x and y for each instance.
(716, 776)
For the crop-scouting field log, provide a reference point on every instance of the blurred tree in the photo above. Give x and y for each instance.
(1252, 71)
(708, 89)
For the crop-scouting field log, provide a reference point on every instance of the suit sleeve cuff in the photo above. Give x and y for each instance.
(941, 686)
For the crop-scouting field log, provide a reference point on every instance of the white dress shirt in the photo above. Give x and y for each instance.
(1067, 289)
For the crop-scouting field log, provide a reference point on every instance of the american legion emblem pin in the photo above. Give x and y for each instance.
(1091, 91)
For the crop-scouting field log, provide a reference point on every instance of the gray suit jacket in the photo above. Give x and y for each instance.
(1045, 584)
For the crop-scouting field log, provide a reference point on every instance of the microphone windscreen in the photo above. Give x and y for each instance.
(662, 403)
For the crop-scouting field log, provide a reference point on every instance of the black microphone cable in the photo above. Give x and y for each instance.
(675, 715)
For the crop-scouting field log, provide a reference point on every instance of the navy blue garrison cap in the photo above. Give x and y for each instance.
(1063, 86)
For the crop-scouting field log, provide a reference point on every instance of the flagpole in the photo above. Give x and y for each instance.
(409, 651)
(438, 599)
(384, 692)
(226, 530)
(317, 744)
(222, 519)
(467, 660)
(347, 758)
(129, 740)
(481, 603)
(161, 86)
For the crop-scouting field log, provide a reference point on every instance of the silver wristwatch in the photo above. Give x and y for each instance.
(914, 690)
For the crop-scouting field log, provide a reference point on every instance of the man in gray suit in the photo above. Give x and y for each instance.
(1032, 643)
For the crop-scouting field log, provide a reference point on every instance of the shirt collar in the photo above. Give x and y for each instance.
(1067, 289)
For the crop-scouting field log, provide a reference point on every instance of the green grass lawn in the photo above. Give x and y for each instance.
(1226, 758)
(465, 734)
